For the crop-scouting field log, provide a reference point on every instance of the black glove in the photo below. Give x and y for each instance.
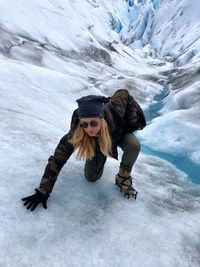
(34, 200)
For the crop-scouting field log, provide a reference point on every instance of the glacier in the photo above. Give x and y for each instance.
(51, 53)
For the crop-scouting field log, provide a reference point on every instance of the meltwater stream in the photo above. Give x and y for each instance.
(182, 162)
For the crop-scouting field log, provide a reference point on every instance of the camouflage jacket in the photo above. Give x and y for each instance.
(123, 115)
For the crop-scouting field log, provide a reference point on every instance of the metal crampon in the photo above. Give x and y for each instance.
(125, 186)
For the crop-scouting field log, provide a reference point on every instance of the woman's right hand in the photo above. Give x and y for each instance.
(34, 200)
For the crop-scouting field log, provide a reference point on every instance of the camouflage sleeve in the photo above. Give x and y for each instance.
(134, 116)
(128, 108)
(120, 100)
(56, 161)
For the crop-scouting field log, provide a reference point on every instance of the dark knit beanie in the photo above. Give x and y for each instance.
(91, 106)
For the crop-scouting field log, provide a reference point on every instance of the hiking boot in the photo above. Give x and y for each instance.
(124, 181)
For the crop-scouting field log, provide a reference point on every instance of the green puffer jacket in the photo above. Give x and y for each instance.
(123, 115)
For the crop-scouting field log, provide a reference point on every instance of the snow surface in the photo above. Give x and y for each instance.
(51, 53)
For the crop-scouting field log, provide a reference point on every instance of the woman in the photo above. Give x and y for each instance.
(98, 126)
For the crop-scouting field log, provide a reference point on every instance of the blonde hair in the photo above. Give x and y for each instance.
(85, 145)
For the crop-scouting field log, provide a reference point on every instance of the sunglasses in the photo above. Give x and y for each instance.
(85, 124)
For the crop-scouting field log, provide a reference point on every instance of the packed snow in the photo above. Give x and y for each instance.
(55, 51)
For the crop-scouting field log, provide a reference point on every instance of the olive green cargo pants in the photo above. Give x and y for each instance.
(130, 146)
